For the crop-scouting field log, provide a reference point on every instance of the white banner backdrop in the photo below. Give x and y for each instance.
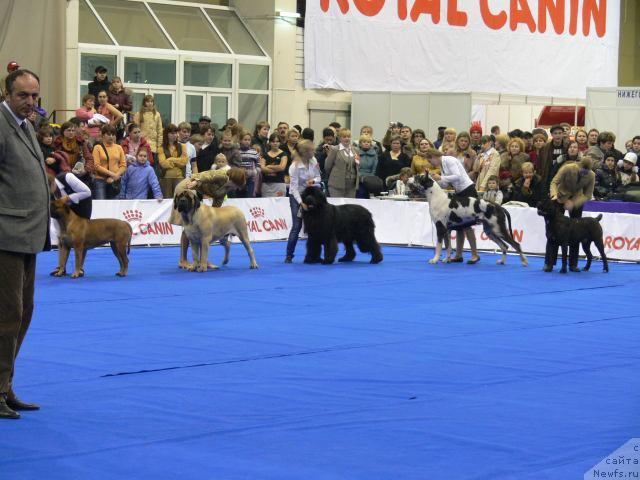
(397, 222)
(532, 47)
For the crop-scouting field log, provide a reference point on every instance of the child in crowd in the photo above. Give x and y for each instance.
(397, 184)
(493, 193)
(250, 161)
(627, 169)
(539, 141)
(221, 162)
(139, 178)
(45, 139)
(197, 141)
(606, 179)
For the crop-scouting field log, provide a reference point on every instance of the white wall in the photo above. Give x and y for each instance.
(603, 113)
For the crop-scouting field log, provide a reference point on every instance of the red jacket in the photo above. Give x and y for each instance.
(143, 144)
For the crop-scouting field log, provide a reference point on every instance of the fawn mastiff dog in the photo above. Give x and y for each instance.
(204, 224)
(82, 234)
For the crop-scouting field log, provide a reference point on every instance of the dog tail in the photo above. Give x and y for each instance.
(599, 217)
(130, 237)
(508, 215)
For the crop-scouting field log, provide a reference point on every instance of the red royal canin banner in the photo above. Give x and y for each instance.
(525, 47)
(400, 223)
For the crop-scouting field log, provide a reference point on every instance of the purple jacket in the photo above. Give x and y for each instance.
(137, 180)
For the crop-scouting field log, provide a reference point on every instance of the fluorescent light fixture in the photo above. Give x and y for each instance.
(288, 14)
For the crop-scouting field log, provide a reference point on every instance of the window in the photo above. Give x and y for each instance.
(89, 62)
(131, 24)
(193, 108)
(152, 71)
(216, 75)
(234, 32)
(89, 29)
(254, 77)
(252, 108)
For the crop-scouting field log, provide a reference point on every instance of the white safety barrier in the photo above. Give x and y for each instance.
(397, 222)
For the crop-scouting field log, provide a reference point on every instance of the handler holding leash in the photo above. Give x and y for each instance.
(454, 175)
(24, 226)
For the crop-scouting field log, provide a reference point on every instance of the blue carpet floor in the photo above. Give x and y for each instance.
(401, 370)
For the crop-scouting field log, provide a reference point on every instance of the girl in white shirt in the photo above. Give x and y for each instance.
(454, 175)
(304, 172)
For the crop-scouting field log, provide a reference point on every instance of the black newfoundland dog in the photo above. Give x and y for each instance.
(327, 224)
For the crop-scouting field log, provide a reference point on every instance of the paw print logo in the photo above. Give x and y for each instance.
(256, 212)
(132, 216)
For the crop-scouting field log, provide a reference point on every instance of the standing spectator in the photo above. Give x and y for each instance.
(282, 129)
(495, 130)
(368, 131)
(120, 98)
(134, 141)
(23, 234)
(571, 155)
(527, 137)
(476, 136)
(342, 167)
(100, 82)
(109, 163)
(419, 162)
(172, 160)
(493, 192)
(511, 165)
(392, 160)
(635, 145)
(150, 122)
(464, 153)
(368, 165)
(455, 176)
(292, 136)
(448, 145)
(487, 164)
(140, 178)
(539, 141)
(528, 188)
(74, 144)
(261, 135)
(500, 143)
(250, 161)
(439, 137)
(582, 140)
(549, 155)
(207, 155)
(184, 133)
(272, 165)
(328, 140)
(204, 122)
(592, 137)
(407, 145)
(109, 111)
(87, 112)
(230, 150)
(304, 172)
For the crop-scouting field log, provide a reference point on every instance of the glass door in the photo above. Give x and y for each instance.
(219, 109)
(214, 105)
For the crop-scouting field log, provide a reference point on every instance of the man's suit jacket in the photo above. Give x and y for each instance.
(24, 190)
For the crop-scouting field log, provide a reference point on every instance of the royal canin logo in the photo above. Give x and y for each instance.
(256, 212)
(262, 223)
(134, 217)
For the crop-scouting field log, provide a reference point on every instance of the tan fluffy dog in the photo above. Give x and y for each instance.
(203, 224)
(82, 234)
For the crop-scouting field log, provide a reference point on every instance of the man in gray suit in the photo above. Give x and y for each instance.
(24, 226)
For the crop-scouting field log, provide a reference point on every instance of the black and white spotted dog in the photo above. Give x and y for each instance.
(458, 213)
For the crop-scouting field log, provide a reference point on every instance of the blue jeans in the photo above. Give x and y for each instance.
(296, 226)
(99, 189)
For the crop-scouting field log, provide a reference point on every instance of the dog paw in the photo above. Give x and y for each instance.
(121, 274)
(253, 266)
(575, 269)
(184, 265)
(345, 259)
(524, 263)
(501, 261)
(225, 261)
(190, 268)
(605, 270)
(326, 262)
(547, 268)
(433, 261)
(563, 270)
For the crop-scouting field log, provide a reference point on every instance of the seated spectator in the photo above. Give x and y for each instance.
(528, 188)
(140, 178)
(606, 179)
(604, 148)
(493, 193)
(45, 140)
(367, 167)
(627, 169)
(109, 163)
